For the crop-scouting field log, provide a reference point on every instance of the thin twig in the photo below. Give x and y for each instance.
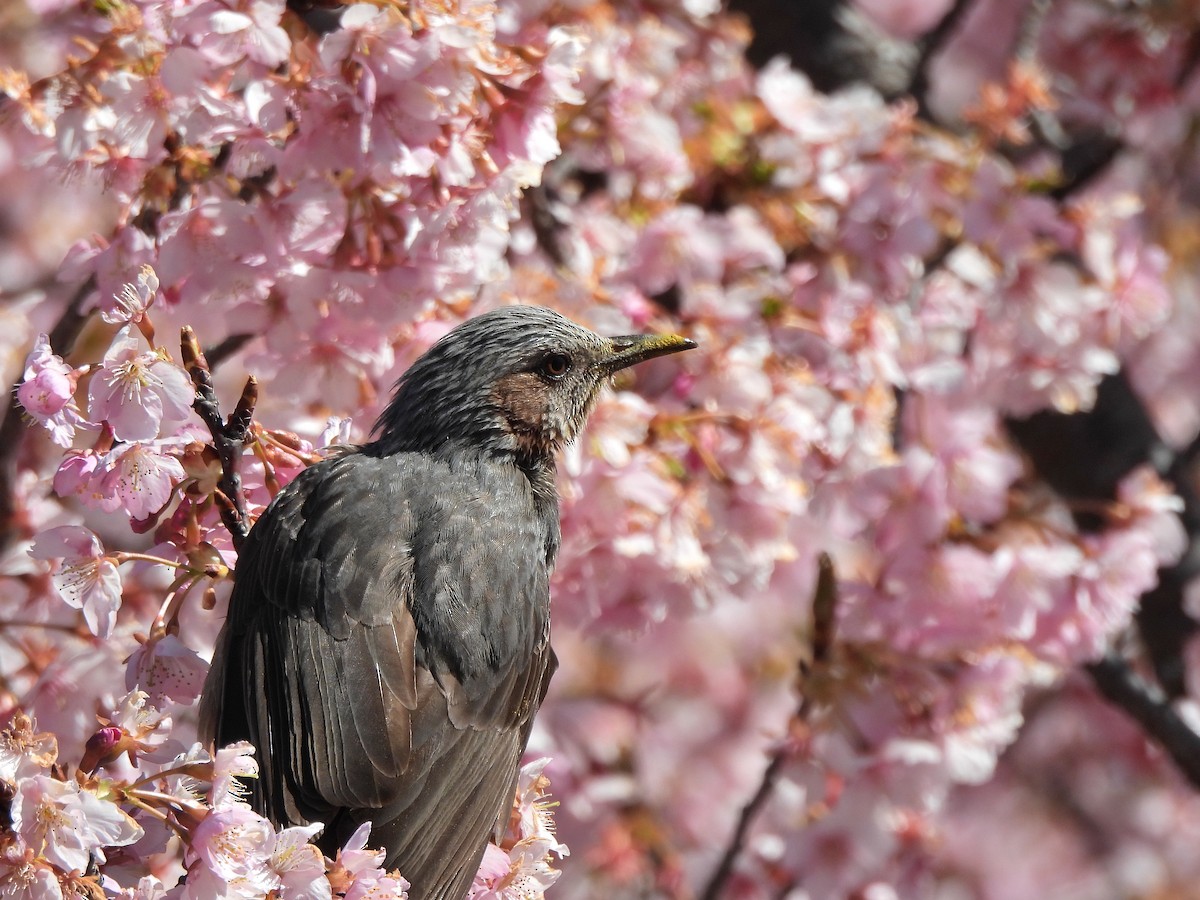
(825, 599)
(1030, 33)
(538, 206)
(716, 884)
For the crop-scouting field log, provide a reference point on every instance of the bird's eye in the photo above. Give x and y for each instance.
(556, 365)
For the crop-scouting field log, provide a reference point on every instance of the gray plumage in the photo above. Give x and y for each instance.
(388, 637)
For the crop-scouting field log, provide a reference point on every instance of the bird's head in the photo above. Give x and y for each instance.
(519, 379)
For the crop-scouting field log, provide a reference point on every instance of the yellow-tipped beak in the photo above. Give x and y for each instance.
(631, 349)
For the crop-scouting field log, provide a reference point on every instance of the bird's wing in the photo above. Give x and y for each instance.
(385, 650)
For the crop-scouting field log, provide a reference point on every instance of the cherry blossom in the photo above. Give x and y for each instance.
(226, 35)
(138, 729)
(229, 853)
(24, 751)
(138, 393)
(166, 669)
(86, 578)
(26, 876)
(148, 888)
(130, 305)
(525, 870)
(229, 764)
(299, 865)
(139, 480)
(69, 823)
(358, 868)
(47, 393)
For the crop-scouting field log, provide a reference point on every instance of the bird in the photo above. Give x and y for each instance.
(387, 642)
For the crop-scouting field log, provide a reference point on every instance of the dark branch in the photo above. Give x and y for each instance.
(222, 351)
(229, 435)
(716, 884)
(825, 599)
(13, 428)
(1030, 33)
(1115, 436)
(831, 41)
(1151, 709)
(1084, 161)
(1191, 60)
(928, 48)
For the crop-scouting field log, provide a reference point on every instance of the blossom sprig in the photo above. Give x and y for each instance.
(47, 393)
(131, 305)
(521, 865)
(61, 825)
(88, 578)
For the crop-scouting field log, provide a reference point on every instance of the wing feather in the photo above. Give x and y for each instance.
(386, 650)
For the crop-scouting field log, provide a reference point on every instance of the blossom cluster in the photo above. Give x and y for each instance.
(876, 294)
(62, 826)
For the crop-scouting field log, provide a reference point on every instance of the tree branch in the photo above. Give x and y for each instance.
(825, 599)
(221, 351)
(716, 883)
(831, 41)
(14, 426)
(928, 47)
(1150, 708)
(229, 435)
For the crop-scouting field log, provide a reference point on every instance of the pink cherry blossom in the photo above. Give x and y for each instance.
(25, 751)
(524, 872)
(145, 729)
(47, 392)
(166, 669)
(86, 578)
(228, 33)
(26, 876)
(1155, 510)
(138, 393)
(148, 888)
(493, 870)
(376, 886)
(355, 857)
(130, 305)
(69, 823)
(367, 880)
(337, 431)
(136, 478)
(232, 845)
(231, 763)
(298, 865)
(81, 474)
(139, 480)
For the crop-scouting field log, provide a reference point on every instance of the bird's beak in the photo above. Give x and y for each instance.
(631, 349)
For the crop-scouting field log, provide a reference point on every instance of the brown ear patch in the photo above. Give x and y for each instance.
(523, 401)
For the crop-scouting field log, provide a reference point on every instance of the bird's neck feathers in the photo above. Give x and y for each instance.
(418, 420)
(509, 416)
(434, 414)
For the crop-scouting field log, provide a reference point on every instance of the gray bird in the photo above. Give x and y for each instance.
(388, 637)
